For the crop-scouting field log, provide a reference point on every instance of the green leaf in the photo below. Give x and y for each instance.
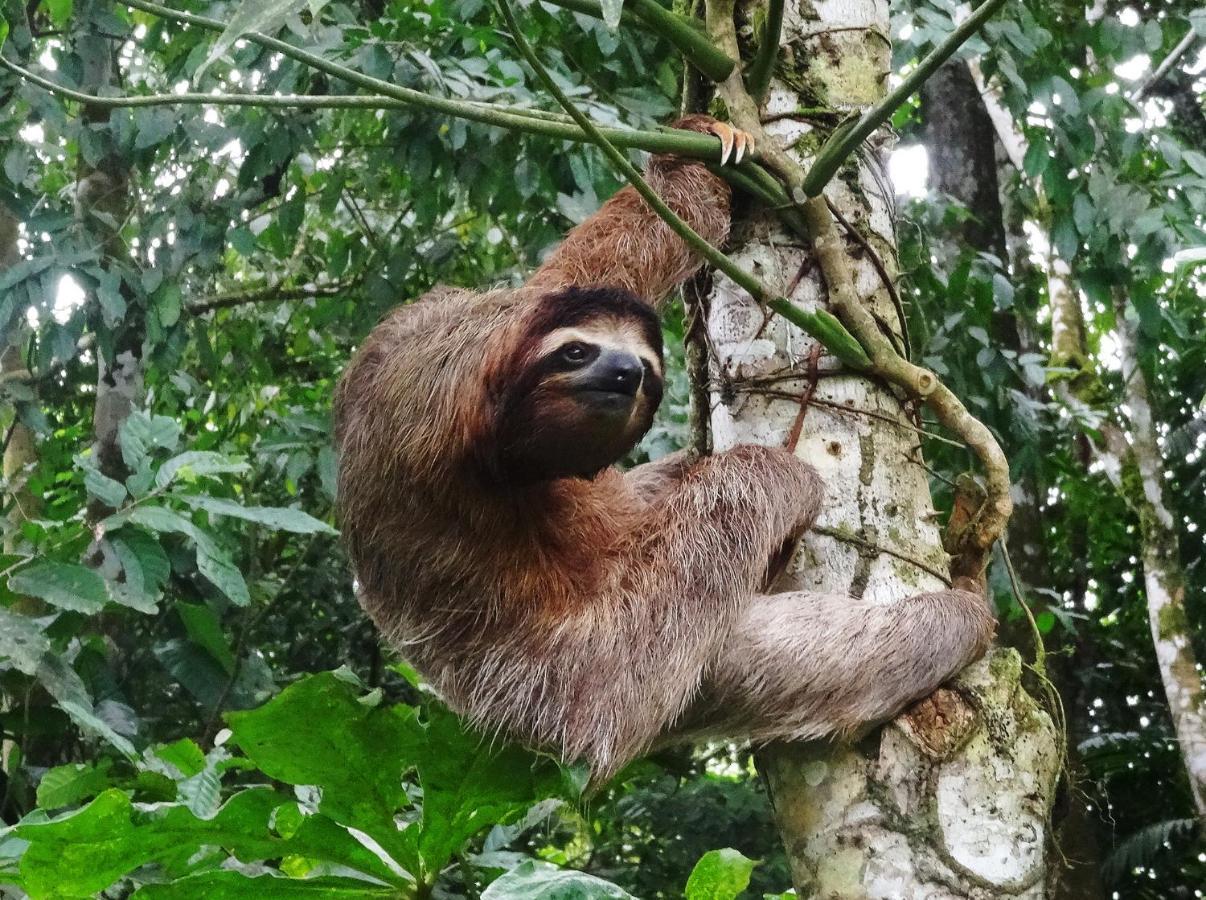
(70, 784)
(59, 10)
(193, 464)
(22, 641)
(3, 31)
(65, 585)
(107, 490)
(542, 881)
(251, 15)
(279, 518)
(145, 568)
(356, 753)
(237, 886)
(64, 684)
(205, 630)
(212, 561)
(719, 875)
(141, 434)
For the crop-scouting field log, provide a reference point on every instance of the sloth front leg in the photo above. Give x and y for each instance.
(800, 665)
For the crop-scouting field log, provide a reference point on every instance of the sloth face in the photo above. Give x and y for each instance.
(587, 396)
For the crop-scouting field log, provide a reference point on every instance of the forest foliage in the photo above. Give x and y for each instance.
(190, 699)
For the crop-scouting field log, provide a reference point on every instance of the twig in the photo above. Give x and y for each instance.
(274, 292)
(878, 263)
(810, 388)
(758, 75)
(851, 538)
(1167, 63)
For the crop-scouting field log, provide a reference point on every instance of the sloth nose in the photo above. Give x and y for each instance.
(620, 372)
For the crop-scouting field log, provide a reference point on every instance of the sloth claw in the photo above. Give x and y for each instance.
(734, 143)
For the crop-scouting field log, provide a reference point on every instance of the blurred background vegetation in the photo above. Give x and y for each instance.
(222, 262)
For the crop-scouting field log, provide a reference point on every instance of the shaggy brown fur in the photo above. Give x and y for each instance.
(598, 615)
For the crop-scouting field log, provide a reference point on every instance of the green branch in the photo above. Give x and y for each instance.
(847, 136)
(758, 75)
(682, 143)
(821, 325)
(679, 30)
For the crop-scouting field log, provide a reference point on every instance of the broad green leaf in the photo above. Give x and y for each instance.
(237, 886)
(65, 585)
(356, 753)
(720, 875)
(59, 10)
(80, 854)
(205, 630)
(251, 15)
(279, 518)
(195, 463)
(183, 755)
(542, 881)
(141, 434)
(68, 785)
(107, 490)
(23, 641)
(3, 31)
(64, 684)
(212, 561)
(470, 783)
(145, 569)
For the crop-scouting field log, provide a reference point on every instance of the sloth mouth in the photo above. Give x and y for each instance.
(608, 396)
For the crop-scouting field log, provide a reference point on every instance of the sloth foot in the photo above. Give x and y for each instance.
(733, 142)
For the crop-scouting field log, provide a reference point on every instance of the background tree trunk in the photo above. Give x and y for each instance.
(954, 811)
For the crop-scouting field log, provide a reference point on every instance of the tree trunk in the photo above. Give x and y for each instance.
(954, 810)
(103, 204)
(1163, 574)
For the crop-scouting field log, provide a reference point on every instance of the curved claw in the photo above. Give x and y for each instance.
(734, 143)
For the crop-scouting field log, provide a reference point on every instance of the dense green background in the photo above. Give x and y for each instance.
(257, 246)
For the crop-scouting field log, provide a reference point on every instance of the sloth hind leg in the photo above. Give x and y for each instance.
(804, 665)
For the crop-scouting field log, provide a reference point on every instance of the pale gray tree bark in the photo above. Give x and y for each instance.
(952, 802)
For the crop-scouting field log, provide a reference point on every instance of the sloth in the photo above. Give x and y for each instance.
(551, 597)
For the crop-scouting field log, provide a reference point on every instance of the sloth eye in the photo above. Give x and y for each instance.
(574, 353)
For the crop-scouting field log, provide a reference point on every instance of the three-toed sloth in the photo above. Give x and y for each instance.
(559, 600)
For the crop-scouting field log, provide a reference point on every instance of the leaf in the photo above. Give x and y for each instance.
(82, 853)
(541, 881)
(611, 12)
(196, 463)
(3, 31)
(355, 753)
(65, 585)
(145, 568)
(65, 685)
(237, 886)
(280, 518)
(212, 561)
(68, 785)
(141, 434)
(59, 10)
(719, 875)
(22, 641)
(107, 490)
(251, 15)
(205, 631)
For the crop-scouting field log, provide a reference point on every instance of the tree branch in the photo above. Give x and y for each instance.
(758, 75)
(680, 31)
(682, 143)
